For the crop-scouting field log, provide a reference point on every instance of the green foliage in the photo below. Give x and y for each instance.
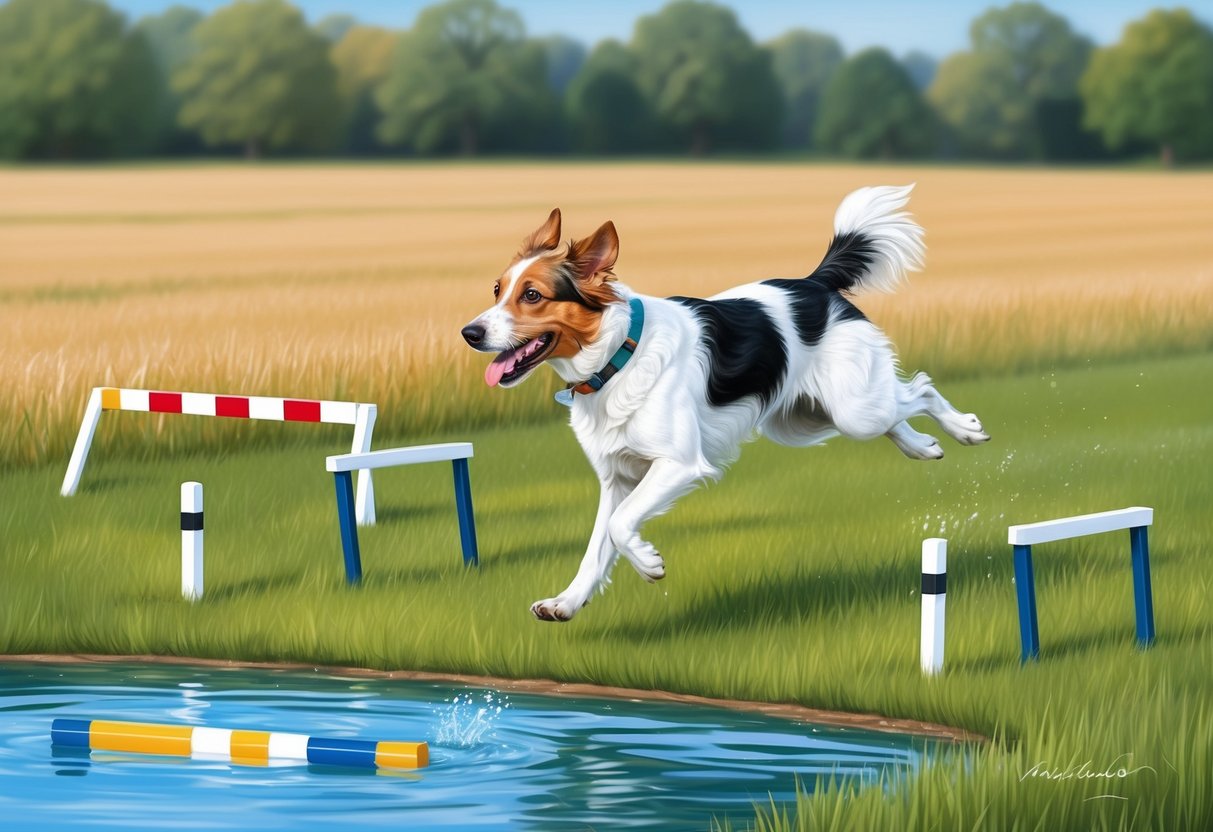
(1155, 85)
(708, 82)
(73, 81)
(362, 58)
(871, 109)
(606, 110)
(803, 62)
(168, 34)
(921, 68)
(462, 71)
(564, 57)
(1021, 54)
(259, 77)
(334, 27)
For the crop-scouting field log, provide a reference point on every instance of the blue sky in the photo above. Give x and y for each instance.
(934, 26)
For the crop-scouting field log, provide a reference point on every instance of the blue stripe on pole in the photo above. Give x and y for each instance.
(341, 752)
(72, 733)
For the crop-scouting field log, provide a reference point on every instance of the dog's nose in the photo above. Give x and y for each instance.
(473, 334)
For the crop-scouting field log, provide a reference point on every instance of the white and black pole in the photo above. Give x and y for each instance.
(934, 594)
(191, 540)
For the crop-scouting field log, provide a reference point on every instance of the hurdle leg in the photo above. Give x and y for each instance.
(364, 426)
(1143, 595)
(1025, 586)
(349, 528)
(463, 505)
(84, 441)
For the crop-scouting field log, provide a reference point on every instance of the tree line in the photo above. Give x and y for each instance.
(78, 81)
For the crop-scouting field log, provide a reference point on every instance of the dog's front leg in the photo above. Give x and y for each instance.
(665, 482)
(595, 567)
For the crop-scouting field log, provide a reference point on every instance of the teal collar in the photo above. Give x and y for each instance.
(595, 382)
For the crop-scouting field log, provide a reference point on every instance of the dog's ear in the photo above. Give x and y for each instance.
(544, 238)
(596, 254)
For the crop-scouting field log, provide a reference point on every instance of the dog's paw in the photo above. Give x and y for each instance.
(554, 609)
(647, 561)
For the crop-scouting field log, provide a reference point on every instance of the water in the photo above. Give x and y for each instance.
(498, 761)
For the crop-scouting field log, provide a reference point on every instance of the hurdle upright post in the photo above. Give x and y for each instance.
(463, 505)
(1025, 590)
(934, 596)
(349, 528)
(1143, 595)
(364, 424)
(191, 540)
(84, 441)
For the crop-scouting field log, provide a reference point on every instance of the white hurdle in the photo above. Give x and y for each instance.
(359, 414)
(934, 595)
(191, 540)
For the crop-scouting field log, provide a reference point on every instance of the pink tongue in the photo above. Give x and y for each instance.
(494, 372)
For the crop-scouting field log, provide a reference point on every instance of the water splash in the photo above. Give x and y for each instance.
(468, 719)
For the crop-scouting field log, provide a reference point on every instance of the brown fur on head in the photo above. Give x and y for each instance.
(549, 302)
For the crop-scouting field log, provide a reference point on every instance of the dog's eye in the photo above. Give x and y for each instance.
(532, 296)
(496, 289)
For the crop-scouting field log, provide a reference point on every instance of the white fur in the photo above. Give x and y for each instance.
(652, 436)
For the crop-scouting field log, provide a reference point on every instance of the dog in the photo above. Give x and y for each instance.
(664, 391)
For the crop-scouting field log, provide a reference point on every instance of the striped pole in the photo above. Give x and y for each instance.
(191, 540)
(237, 746)
(934, 595)
(358, 414)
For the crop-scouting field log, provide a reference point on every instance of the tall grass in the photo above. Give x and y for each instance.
(353, 282)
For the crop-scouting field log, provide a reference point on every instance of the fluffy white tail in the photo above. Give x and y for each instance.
(875, 243)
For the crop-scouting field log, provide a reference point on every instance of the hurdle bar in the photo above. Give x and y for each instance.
(458, 453)
(234, 745)
(1023, 537)
(359, 414)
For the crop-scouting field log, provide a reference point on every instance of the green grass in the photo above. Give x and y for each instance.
(794, 579)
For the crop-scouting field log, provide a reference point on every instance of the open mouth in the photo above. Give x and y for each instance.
(511, 365)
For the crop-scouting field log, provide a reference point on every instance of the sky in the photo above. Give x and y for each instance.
(937, 27)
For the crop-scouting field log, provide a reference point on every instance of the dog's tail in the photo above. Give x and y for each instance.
(874, 243)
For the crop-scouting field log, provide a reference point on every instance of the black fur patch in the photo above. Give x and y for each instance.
(748, 356)
(566, 291)
(847, 260)
(812, 304)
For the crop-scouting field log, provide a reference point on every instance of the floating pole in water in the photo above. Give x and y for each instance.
(238, 746)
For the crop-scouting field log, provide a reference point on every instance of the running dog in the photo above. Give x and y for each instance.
(664, 391)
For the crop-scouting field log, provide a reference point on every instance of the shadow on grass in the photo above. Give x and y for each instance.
(397, 513)
(252, 586)
(102, 485)
(772, 600)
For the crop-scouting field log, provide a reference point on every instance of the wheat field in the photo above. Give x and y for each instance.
(352, 281)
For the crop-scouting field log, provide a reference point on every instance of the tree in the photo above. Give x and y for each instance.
(259, 77)
(362, 59)
(168, 36)
(564, 57)
(1021, 55)
(461, 74)
(803, 62)
(73, 81)
(334, 27)
(1156, 86)
(921, 68)
(607, 111)
(705, 78)
(871, 109)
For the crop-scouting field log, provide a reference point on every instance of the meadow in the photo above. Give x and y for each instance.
(1072, 310)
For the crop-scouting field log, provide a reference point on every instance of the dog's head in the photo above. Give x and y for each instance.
(549, 302)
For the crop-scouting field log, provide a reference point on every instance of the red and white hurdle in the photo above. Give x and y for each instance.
(359, 414)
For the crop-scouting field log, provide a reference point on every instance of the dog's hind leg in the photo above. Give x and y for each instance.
(913, 444)
(596, 565)
(919, 396)
(665, 482)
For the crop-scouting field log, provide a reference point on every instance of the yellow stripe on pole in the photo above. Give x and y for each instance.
(402, 754)
(111, 399)
(140, 738)
(251, 747)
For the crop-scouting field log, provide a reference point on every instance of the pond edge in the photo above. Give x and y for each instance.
(548, 687)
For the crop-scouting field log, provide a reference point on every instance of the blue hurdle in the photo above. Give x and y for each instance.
(1022, 538)
(342, 465)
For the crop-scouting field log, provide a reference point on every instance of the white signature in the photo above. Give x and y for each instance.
(1117, 770)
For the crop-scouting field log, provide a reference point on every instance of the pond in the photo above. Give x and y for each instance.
(497, 760)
